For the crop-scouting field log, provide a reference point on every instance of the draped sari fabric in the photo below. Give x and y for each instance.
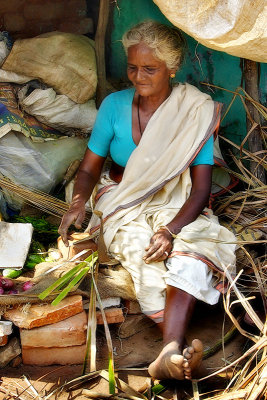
(157, 178)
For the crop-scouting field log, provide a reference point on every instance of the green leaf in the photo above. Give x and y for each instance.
(90, 355)
(59, 282)
(111, 375)
(65, 291)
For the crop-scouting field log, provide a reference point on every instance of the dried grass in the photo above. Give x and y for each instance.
(245, 212)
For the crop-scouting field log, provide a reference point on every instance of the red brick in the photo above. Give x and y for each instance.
(3, 340)
(44, 314)
(44, 11)
(80, 27)
(113, 315)
(14, 22)
(53, 355)
(69, 332)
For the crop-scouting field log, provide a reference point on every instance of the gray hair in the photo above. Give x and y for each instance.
(167, 42)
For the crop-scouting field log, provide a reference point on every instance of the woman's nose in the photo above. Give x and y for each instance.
(139, 75)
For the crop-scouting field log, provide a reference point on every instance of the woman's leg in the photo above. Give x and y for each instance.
(171, 361)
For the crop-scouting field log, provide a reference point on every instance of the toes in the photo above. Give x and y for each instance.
(185, 364)
(188, 352)
(177, 359)
(197, 345)
(187, 373)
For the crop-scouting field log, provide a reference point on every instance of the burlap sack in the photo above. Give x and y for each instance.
(112, 281)
(238, 27)
(64, 61)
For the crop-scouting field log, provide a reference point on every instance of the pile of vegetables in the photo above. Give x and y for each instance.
(7, 286)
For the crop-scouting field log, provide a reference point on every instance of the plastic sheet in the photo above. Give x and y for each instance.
(39, 165)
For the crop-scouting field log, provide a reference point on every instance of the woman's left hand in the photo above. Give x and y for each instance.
(159, 247)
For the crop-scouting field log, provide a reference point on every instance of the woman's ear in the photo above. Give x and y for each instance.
(172, 73)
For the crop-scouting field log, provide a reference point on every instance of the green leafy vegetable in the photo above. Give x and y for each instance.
(11, 273)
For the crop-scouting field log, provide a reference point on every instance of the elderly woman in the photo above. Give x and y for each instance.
(153, 197)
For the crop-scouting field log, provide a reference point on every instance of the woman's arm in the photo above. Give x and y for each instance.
(87, 177)
(161, 241)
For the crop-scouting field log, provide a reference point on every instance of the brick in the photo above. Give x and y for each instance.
(3, 340)
(132, 307)
(9, 352)
(113, 315)
(53, 355)
(44, 314)
(14, 22)
(43, 12)
(73, 249)
(70, 332)
(80, 27)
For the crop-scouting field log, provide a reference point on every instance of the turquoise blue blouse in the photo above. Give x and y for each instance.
(112, 132)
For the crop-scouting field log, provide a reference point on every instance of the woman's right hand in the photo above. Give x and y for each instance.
(76, 215)
(87, 177)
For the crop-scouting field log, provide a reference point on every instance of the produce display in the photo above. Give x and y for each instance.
(8, 286)
(44, 234)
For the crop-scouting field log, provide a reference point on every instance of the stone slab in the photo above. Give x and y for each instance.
(9, 352)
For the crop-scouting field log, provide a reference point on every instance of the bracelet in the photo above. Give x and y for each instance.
(167, 229)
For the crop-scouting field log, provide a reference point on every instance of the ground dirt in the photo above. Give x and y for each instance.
(135, 345)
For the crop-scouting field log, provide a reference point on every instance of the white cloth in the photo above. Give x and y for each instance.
(150, 280)
(193, 276)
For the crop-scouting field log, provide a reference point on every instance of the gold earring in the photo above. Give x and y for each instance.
(172, 75)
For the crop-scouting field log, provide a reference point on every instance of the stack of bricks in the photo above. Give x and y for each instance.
(51, 334)
(29, 18)
(56, 334)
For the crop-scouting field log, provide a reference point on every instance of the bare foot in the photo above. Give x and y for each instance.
(169, 363)
(192, 358)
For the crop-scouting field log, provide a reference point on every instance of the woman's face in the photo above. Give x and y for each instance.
(149, 75)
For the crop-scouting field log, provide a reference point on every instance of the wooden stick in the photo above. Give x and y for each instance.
(254, 139)
(103, 15)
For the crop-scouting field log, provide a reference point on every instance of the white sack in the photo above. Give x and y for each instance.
(237, 27)
(58, 111)
(12, 77)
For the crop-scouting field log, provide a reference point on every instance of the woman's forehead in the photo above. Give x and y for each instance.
(142, 53)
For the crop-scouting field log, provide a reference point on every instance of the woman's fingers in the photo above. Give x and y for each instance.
(76, 215)
(79, 220)
(63, 231)
(159, 255)
(158, 249)
(66, 222)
